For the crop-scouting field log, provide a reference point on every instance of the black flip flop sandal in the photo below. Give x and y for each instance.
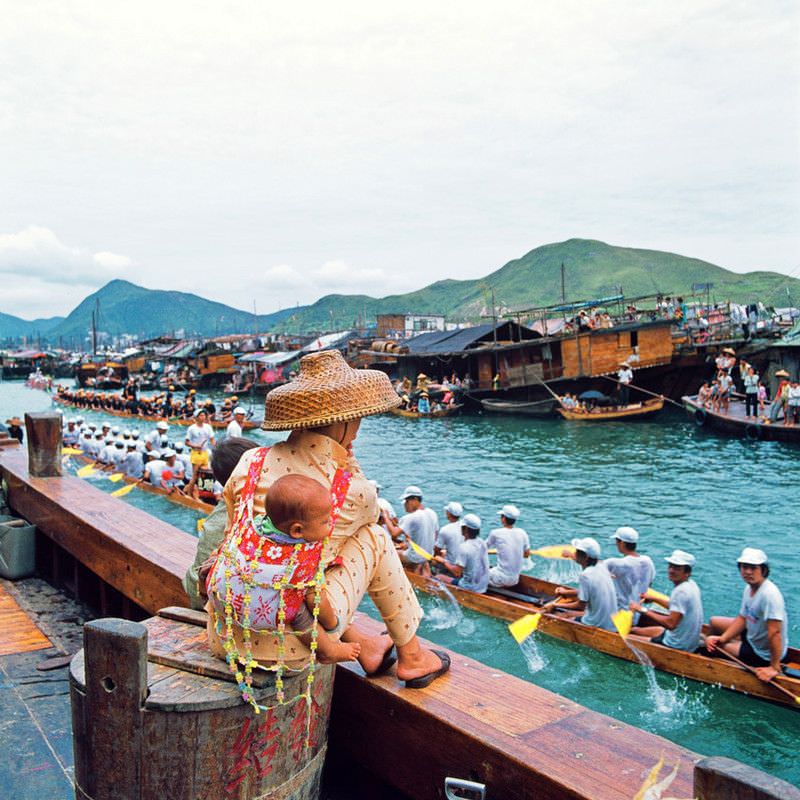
(427, 680)
(389, 660)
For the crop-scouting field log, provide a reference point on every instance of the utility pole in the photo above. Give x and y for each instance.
(563, 286)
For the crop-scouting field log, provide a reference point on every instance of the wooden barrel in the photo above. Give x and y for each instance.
(156, 716)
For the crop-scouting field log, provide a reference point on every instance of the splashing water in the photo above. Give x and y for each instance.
(671, 708)
(533, 658)
(556, 570)
(445, 611)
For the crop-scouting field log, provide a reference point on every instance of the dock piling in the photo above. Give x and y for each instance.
(44, 443)
(720, 778)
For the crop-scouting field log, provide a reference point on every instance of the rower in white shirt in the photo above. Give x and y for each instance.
(450, 538)
(512, 545)
(632, 572)
(235, 425)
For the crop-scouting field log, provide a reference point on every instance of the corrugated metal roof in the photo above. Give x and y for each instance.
(448, 341)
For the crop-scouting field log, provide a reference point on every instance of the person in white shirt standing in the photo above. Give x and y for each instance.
(759, 635)
(624, 379)
(200, 438)
(513, 547)
(235, 425)
(633, 573)
(419, 525)
(450, 538)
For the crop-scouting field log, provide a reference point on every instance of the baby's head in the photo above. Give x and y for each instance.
(300, 507)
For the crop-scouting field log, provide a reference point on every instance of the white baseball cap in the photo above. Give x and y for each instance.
(680, 558)
(455, 508)
(509, 512)
(106, 425)
(119, 443)
(135, 433)
(168, 453)
(587, 545)
(472, 521)
(162, 426)
(629, 535)
(376, 485)
(411, 491)
(752, 555)
(238, 410)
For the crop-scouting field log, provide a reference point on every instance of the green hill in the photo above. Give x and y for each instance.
(12, 327)
(128, 308)
(592, 269)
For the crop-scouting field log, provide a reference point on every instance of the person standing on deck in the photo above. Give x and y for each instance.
(758, 635)
(471, 568)
(449, 538)
(200, 437)
(680, 627)
(624, 378)
(420, 525)
(234, 428)
(750, 380)
(792, 412)
(725, 387)
(513, 547)
(594, 601)
(632, 572)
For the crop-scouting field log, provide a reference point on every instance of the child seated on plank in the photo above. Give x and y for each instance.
(268, 566)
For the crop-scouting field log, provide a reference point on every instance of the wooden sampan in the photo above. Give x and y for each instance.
(156, 717)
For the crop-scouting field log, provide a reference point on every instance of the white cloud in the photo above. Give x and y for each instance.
(37, 252)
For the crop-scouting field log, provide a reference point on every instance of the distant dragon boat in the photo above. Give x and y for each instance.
(529, 593)
(734, 423)
(215, 423)
(443, 412)
(598, 414)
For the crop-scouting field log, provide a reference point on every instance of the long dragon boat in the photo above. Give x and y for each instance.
(214, 423)
(529, 593)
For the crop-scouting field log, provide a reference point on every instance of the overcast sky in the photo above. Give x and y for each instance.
(256, 151)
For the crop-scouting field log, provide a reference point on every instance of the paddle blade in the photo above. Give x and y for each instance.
(85, 472)
(652, 594)
(200, 523)
(522, 628)
(124, 490)
(554, 551)
(419, 550)
(71, 451)
(623, 621)
(116, 477)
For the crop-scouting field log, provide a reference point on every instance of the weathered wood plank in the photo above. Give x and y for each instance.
(18, 633)
(44, 443)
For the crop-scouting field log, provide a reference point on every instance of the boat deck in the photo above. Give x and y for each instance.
(736, 423)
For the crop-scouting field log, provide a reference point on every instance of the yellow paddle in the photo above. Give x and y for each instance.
(125, 490)
(652, 594)
(71, 451)
(623, 621)
(523, 627)
(200, 523)
(553, 551)
(85, 472)
(419, 550)
(116, 477)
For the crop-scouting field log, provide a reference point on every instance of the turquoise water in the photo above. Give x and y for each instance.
(678, 486)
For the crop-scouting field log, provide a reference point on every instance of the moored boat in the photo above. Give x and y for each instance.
(735, 423)
(536, 408)
(442, 412)
(598, 414)
(511, 604)
(215, 423)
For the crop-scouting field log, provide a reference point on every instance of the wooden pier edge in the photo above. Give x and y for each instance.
(477, 723)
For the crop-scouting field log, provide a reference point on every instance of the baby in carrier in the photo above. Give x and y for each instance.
(283, 546)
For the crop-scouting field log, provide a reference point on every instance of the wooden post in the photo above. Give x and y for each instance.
(719, 778)
(44, 444)
(116, 689)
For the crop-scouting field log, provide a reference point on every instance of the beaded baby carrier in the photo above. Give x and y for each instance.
(261, 583)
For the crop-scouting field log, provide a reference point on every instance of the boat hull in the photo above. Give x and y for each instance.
(642, 410)
(701, 668)
(404, 412)
(734, 424)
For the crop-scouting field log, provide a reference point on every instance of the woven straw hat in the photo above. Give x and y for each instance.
(328, 390)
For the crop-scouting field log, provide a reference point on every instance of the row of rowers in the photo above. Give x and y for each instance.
(758, 635)
(165, 404)
(145, 457)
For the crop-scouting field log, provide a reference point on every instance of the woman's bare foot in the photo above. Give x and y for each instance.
(333, 652)
(374, 649)
(414, 661)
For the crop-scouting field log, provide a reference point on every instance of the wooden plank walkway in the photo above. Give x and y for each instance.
(18, 633)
